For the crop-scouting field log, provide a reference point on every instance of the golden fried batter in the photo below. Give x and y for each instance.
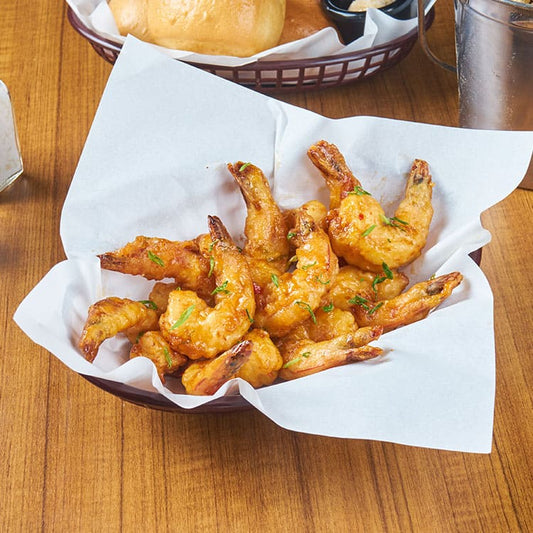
(352, 281)
(159, 295)
(289, 299)
(265, 227)
(194, 328)
(153, 346)
(305, 357)
(408, 307)
(155, 258)
(110, 316)
(206, 377)
(265, 360)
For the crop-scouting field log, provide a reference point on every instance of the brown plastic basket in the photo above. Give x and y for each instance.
(288, 75)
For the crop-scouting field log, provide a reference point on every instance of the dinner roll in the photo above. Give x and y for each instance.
(303, 18)
(216, 27)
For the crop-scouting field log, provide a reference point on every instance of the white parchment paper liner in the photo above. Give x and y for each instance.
(154, 164)
(379, 29)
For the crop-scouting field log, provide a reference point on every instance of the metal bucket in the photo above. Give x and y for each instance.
(494, 52)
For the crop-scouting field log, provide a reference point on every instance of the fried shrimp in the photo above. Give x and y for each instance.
(315, 209)
(110, 316)
(206, 377)
(265, 360)
(194, 328)
(304, 357)
(290, 298)
(410, 306)
(153, 346)
(158, 298)
(265, 227)
(155, 258)
(359, 230)
(352, 281)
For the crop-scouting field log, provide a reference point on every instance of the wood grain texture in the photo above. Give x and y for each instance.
(77, 459)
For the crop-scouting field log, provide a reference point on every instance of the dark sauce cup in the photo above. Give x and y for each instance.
(351, 25)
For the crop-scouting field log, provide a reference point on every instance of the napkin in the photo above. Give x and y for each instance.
(154, 163)
(379, 28)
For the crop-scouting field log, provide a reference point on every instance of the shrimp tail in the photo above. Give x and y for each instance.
(250, 180)
(419, 173)
(218, 231)
(443, 285)
(364, 353)
(331, 163)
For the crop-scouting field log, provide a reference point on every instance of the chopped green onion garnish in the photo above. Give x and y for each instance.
(291, 234)
(376, 280)
(306, 354)
(244, 166)
(211, 266)
(393, 221)
(306, 267)
(249, 316)
(221, 288)
(292, 362)
(327, 308)
(155, 259)
(375, 308)
(381, 279)
(308, 308)
(387, 270)
(212, 245)
(359, 191)
(275, 279)
(323, 282)
(368, 230)
(167, 357)
(359, 300)
(184, 316)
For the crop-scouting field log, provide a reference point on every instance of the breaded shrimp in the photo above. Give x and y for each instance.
(304, 357)
(265, 227)
(194, 328)
(206, 377)
(110, 316)
(410, 306)
(153, 346)
(292, 297)
(158, 298)
(265, 360)
(315, 209)
(155, 258)
(352, 281)
(329, 322)
(359, 230)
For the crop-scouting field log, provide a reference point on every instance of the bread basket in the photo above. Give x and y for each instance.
(288, 75)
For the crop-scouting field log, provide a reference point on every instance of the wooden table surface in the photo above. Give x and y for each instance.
(75, 458)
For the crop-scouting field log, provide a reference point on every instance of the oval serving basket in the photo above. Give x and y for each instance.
(289, 75)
